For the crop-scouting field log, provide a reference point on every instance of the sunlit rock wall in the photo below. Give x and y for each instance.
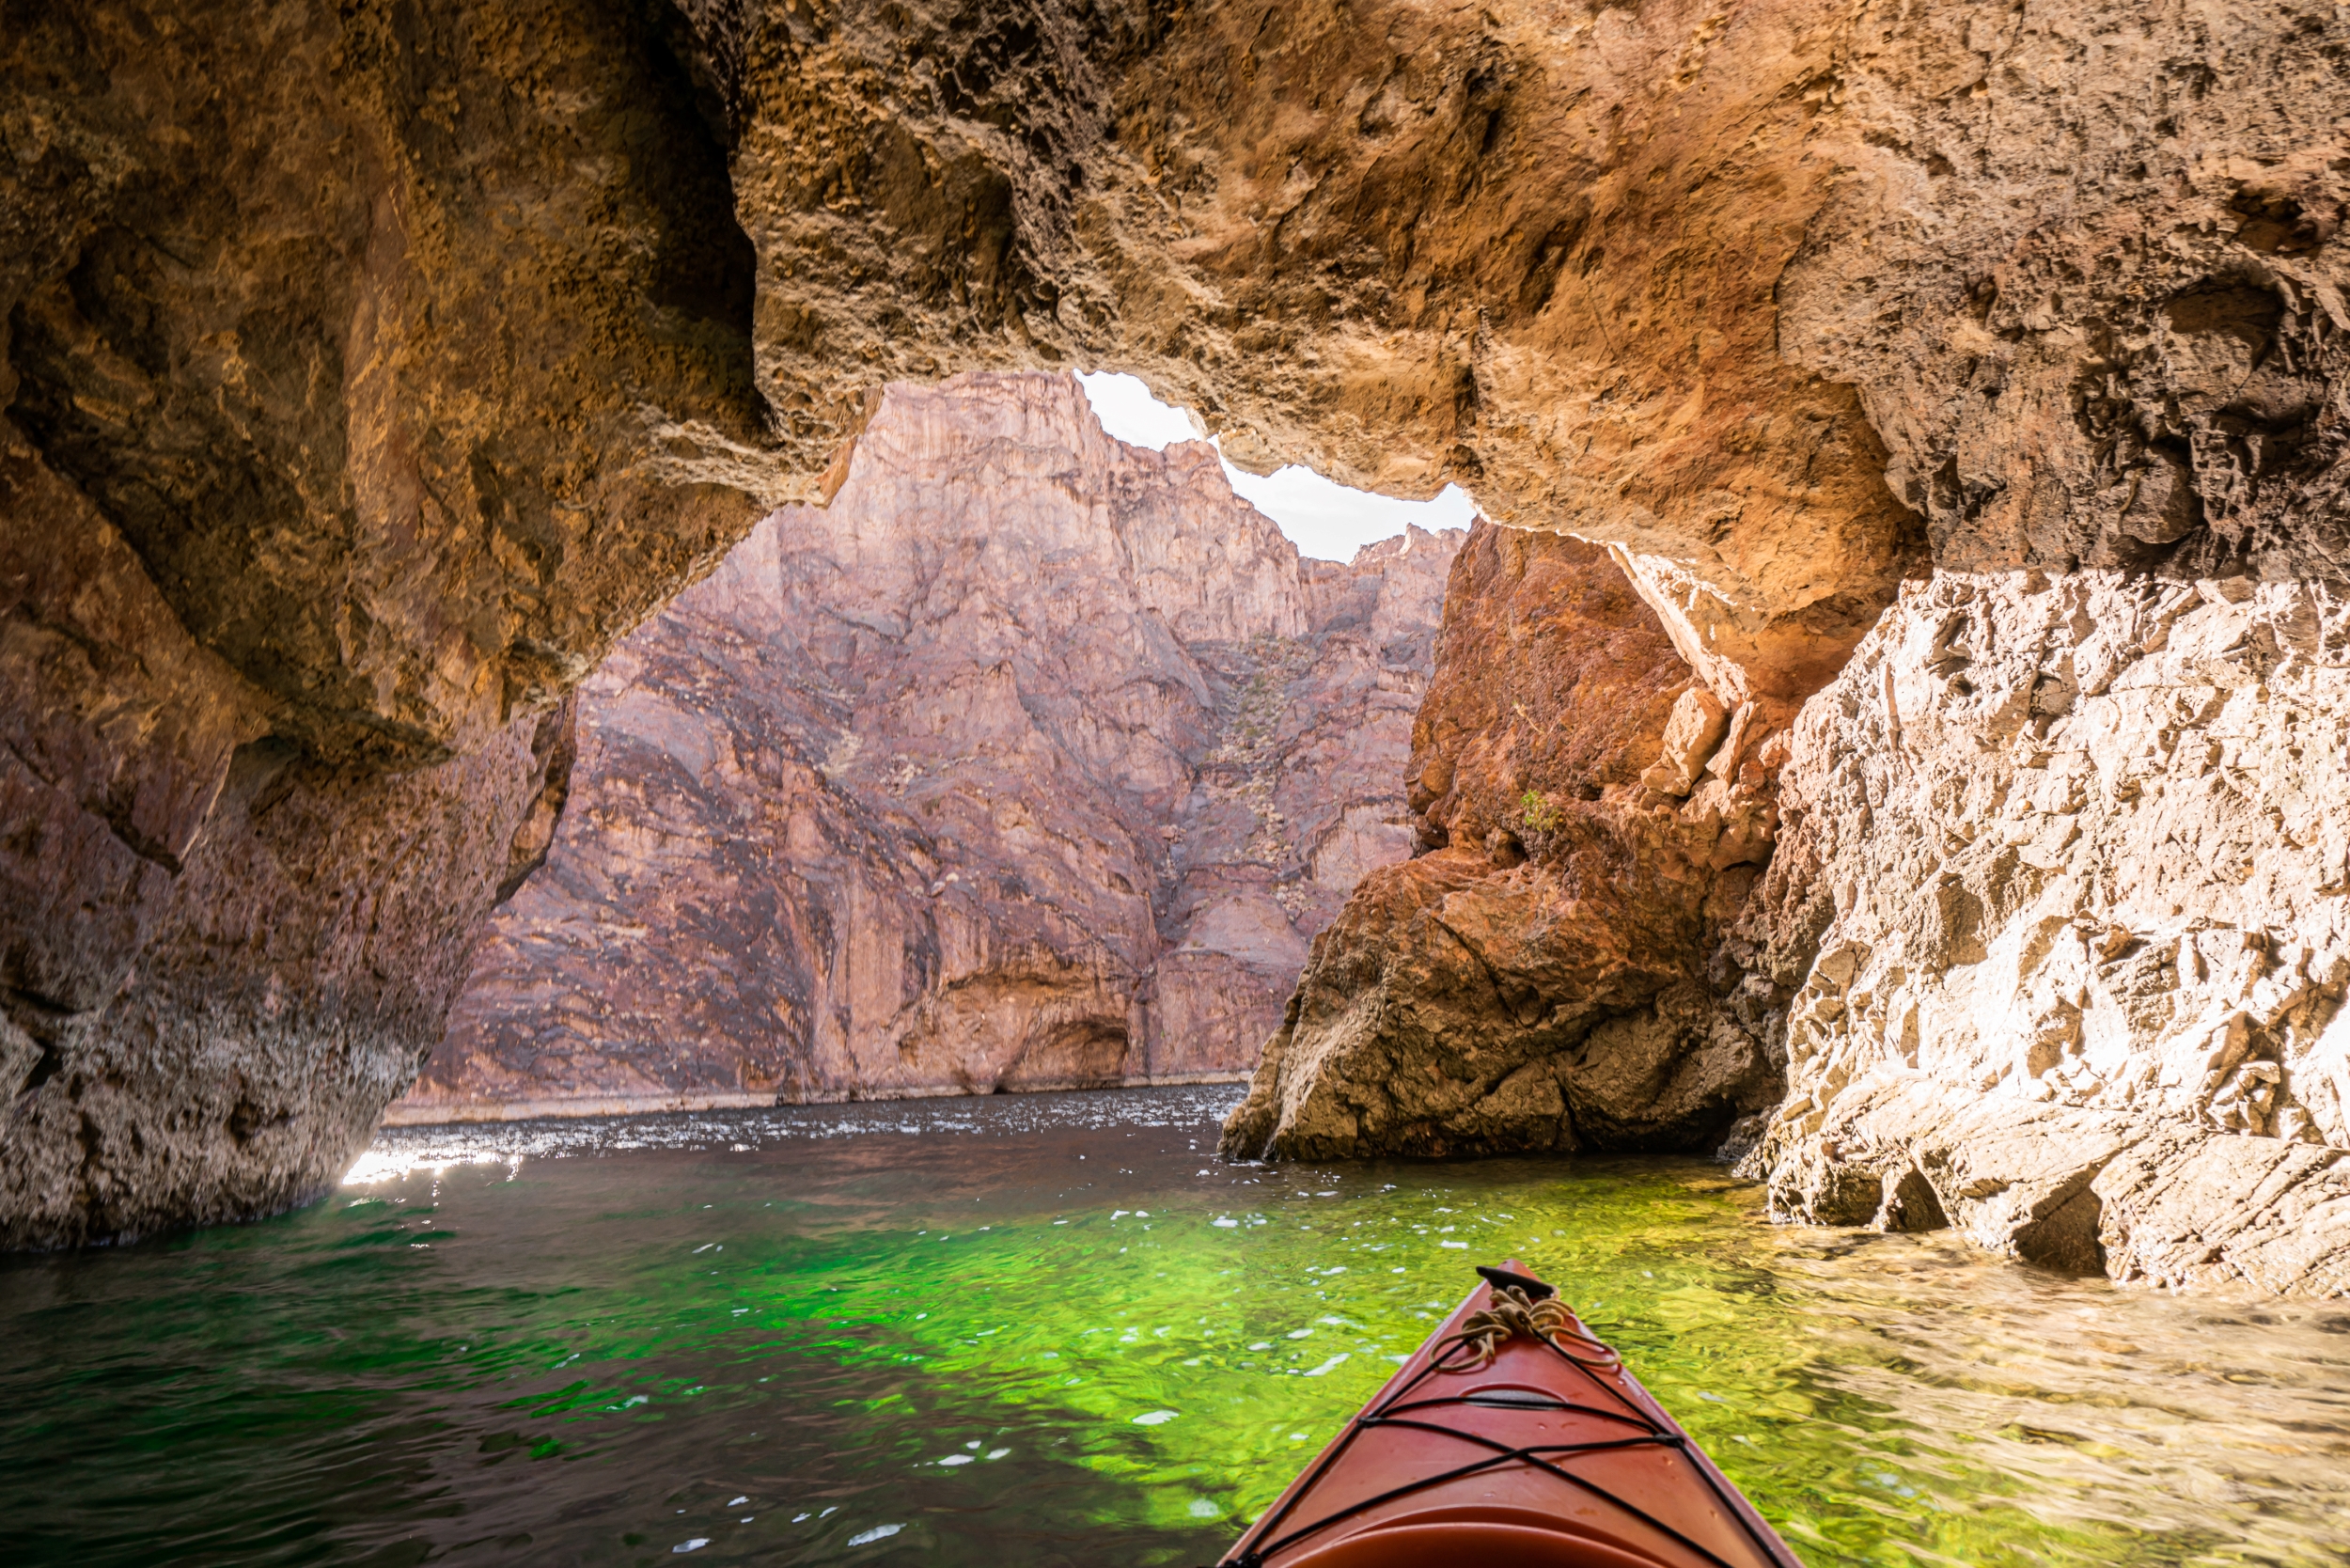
(1033, 761)
(2063, 905)
(2058, 914)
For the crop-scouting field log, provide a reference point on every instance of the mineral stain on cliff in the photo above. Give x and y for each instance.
(1033, 761)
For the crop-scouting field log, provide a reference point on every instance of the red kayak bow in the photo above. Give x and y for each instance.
(1511, 1439)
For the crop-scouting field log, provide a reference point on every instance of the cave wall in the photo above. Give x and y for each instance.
(358, 371)
(409, 353)
(1532, 248)
(2062, 914)
(225, 954)
(385, 365)
(2050, 942)
(2058, 916)
(384, 338)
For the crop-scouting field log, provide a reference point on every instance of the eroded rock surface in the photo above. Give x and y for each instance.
(2056, 908)
(226, 955)
(1531, 248)
(410, 354)
(353, 362)
(1537, 980)
(2063, 903)
(389, 338)
(1033, 761)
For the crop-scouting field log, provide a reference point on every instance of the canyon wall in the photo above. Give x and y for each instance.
(1033, 761)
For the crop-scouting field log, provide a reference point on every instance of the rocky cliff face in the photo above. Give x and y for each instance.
(1033, 761)
(224, 953)
(352, 364)
(2061, 907)
(1536, 980)
(2052, 937)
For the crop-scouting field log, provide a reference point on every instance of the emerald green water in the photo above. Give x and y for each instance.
(1055, 1330)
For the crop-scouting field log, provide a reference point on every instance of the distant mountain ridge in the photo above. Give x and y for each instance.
(1033, 761)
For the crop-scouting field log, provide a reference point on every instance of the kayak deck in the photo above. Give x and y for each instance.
(1514, 1435)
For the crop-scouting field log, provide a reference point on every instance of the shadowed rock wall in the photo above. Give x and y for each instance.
(1536, 980)
(1031, 762)
(348, 363)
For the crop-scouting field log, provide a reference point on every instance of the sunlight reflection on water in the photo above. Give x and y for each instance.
(399, 1152)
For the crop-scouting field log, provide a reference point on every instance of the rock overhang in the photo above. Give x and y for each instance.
(1787, 305)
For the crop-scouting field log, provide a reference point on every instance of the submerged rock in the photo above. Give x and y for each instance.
(1034, 759)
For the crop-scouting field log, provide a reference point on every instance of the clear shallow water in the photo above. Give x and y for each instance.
(1053, 1329)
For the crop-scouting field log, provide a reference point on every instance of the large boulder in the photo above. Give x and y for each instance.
(1537, 980)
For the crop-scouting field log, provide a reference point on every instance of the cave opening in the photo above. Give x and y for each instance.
(1036, 757)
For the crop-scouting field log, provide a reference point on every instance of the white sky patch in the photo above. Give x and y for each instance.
(1323, 518)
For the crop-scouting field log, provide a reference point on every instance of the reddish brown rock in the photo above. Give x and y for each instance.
(228, 954)
(1537, 979)
(1034, 759)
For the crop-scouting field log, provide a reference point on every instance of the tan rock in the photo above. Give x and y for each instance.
(1697, 724)
(2073, 848)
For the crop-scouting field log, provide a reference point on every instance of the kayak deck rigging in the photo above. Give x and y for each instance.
(1515, 1434)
